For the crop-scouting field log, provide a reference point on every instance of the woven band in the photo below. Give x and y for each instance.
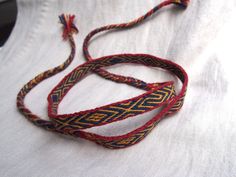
(157, 95)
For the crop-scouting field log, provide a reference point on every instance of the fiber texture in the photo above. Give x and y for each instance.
(198, 141)
(159, 95)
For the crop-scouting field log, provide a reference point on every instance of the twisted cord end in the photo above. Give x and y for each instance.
(69, 27)
(183, 3)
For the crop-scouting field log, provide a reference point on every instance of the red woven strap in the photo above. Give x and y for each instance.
(157, 95)
(161, 96)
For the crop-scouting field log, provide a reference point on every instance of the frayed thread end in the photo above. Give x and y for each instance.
(69, 27)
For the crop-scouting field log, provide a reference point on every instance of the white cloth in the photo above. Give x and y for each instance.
(198, 141)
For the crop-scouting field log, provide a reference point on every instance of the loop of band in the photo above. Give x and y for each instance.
(157, 95)
(163, 95)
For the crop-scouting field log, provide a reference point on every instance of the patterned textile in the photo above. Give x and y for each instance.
(158, 95)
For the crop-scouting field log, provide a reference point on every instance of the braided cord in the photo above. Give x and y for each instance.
(67, 35)
(115, 77)
(158, 95)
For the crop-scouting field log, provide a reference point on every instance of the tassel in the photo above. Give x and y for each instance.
(68, 23)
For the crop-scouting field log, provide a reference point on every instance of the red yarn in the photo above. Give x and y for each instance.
(68, 23)
(157, 95)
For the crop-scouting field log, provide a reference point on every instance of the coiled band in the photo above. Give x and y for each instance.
(157, 95)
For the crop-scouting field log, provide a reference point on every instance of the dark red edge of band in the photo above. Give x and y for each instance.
(154, 119)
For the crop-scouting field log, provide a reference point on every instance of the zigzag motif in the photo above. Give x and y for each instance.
(128, 141)
(73, 124)
(176, 107)
(67, 83)
(139, 59)
(157, 94)
(134, 138)
(146, 60)
(119, 111)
